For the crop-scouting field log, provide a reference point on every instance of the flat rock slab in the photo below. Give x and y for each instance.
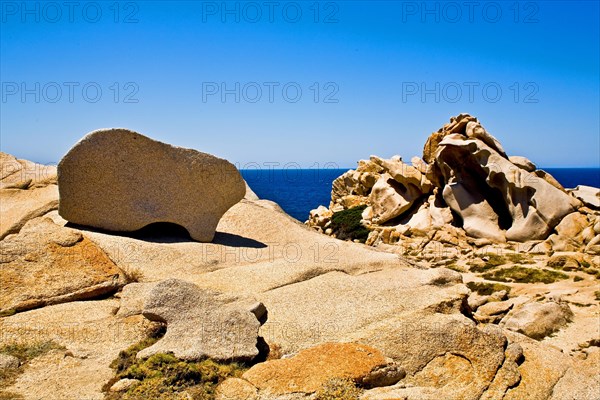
(47, 264)
(92, 337)
(200, 324)
(120, 180)
(310, 369)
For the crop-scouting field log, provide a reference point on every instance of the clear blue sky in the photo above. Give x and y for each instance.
(374, 58)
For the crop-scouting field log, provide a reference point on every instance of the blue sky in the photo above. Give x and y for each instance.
(362, 68)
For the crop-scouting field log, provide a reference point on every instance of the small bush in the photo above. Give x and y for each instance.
(520, 274)
(486, 288)
(495, 260)
(491, 261)
(165, 377)
(455, 267)
(557, 262)
(338, 389)
(8, 312)
(597, 294)
(592, 271)
(132, 274)
(346, 224)
(577, 278)
(519, 258)
(481, 268)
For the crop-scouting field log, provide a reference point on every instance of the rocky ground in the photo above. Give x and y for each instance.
(273, 309)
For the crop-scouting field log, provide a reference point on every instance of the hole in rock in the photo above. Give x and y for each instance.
(164, 232)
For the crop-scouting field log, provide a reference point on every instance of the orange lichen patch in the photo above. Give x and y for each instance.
(310, 369)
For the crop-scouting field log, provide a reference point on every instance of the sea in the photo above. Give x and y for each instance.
(298, 191)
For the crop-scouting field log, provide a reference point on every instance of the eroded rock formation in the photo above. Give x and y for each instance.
(119, 180)
(466, 185)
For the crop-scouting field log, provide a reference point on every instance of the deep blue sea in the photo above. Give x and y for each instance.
(298, 191)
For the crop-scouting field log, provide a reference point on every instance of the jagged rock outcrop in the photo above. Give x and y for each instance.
(119, 180)
(465, 183)
(495, 198)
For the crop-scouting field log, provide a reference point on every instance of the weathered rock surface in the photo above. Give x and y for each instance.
(540, 368)
(397, 189)
(24, 174)
(236, 389)
(311, 368)
(19, 206)
(8, 362)
(466, 179)
(27, 190)
(317, 290)
(538, 320)
(92, 337)
(475, 175)
(590, 196)
(581, 381)
(47, 264)
(200, 324)
(123, 385)
(119, 180)
(440, 350)
(492, 312)
(523, 163)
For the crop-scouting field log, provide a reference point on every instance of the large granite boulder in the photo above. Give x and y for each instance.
(119, 180)
(465, 179)
(200, 323)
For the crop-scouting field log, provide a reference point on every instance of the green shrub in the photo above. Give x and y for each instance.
(597, 294)
(519, 258)
(520, 274)
(495, 260)
(481, 268)
(8, 312)
(486, 288)
(592, 271)
(166, 377)
(577, 278)
(455, 267)
(557, 262)
(491, 261)
(346, 224)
